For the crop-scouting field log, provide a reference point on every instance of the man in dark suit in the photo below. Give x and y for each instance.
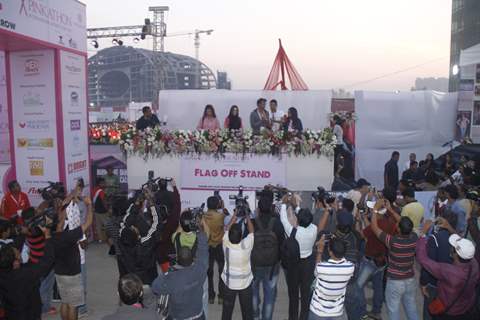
(259, 118)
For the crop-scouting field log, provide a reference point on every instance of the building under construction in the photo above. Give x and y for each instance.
(119, 75)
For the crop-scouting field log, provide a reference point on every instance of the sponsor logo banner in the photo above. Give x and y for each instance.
(36, 168)
(35, 124)
(75, 125)
(77, 166)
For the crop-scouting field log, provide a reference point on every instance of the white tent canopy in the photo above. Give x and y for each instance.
(470, 56)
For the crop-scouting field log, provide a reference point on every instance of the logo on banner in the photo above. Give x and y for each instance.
(7, 24)
(74, 125)
(73, 68)
(31, 99)
(35, 124)
(74, 98)
(77, 166)
(35, 143)
(32, 67)
(36, 167)
(41, 11)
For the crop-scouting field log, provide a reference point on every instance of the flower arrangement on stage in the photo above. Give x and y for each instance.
(158, 141)
(344, 115)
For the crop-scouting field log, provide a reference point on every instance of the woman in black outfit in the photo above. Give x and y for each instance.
(233, 120)
(293, 122)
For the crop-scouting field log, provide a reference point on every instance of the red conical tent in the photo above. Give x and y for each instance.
(280, 65)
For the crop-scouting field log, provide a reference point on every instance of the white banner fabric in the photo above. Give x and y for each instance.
(59, 22)
(182, 109)
(4, 133)
(75, 123)
(250, 171)
(34, 119)
(419, 122)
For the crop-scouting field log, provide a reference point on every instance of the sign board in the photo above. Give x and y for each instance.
(202, 172)
(34, 119)
(4, 133)
(75, 121)
(58, 22)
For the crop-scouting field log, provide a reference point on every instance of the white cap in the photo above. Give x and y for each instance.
(464, 247)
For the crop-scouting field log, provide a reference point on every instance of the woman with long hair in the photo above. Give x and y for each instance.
(209, 119)
(293, 122)
(233, 120)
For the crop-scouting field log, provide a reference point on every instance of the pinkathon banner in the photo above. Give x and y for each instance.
(228, 173)
(4, 134)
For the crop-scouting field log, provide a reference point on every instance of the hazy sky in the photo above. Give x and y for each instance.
(332, 43)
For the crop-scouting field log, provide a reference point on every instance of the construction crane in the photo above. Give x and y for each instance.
(196, 34)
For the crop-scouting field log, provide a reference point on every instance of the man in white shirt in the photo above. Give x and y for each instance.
(299, 276)
(276, 116)
(332, 277)
(358, 194)
(237, 274)
(411, 158)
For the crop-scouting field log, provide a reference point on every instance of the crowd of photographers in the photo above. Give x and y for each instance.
(166, 258)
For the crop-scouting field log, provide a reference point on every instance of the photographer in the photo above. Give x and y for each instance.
(299, 273)
(321, 207)
(67, 257)
(19, 282)
(138, 239)
(237, 274)
(185, 284)
(269, 236)
(171, 200)
(214, 219)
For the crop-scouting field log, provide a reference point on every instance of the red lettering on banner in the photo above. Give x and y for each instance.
(206, 173)
(255, 174)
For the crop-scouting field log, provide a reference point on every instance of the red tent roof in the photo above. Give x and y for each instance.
(281, 65)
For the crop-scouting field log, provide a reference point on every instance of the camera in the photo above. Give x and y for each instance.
(322, 195)
(192, 222)
(41, 220)
(55, 190)
(277, 192)
(155, 184)
(241, 205)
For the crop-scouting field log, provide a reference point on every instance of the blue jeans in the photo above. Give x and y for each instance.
(404, 291)
(46, 291)
(353, 301)
(369, 272)
(83, 308)
(205, 298)
(268, 278)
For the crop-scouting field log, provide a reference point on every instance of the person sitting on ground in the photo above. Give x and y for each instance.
(413, 174)
(148, 120)
(233, 120)
(456, 281)
(185, 284)
(411, 158)
(332, 277)
(132, 296)
(293, 122)
(209, 119)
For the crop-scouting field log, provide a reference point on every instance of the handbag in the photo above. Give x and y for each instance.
(437, 307)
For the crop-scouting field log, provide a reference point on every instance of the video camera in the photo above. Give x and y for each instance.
(154, 184)
(55, 190)
(278, 192)
(197, 214)
(47, 219)
(322, 195)
(241, 204)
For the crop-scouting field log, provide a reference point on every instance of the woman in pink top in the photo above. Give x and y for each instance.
(209, 120)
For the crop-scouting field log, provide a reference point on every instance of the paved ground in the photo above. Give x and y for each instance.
(102, 298)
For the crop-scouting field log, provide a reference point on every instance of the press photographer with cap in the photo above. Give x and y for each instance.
(456, 282)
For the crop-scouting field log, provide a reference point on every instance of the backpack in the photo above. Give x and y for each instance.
(290, 253)
(265, 251)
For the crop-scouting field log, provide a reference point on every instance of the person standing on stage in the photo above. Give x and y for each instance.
(259, 118)
(233, 120)
(276, 116)
(209, 119)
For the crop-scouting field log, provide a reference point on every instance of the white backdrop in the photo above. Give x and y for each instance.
(419, 122)
(184, 108)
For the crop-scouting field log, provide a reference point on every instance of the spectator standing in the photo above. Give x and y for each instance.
(259, 118)
(391, 171)
(401, 285)
(359, 193)
(233, 120)
(112, 185)
(209, 119)
(185, 284)
(269, 236)
(299, 274)
(131, 292)
(412, 209)
(338, 132)
(455, 205)
(456, 282)
(14, 201)
(237, 274)
(214, 221)
(113, 226)
(148, 120)
(100, 206)
(276, 116)
(332, 277)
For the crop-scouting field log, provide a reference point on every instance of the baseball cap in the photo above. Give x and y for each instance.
(362, 182)
(464, 247)
(344, 218)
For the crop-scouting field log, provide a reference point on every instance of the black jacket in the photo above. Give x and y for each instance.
(20, 287)
(140, 259)
(143, 123)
